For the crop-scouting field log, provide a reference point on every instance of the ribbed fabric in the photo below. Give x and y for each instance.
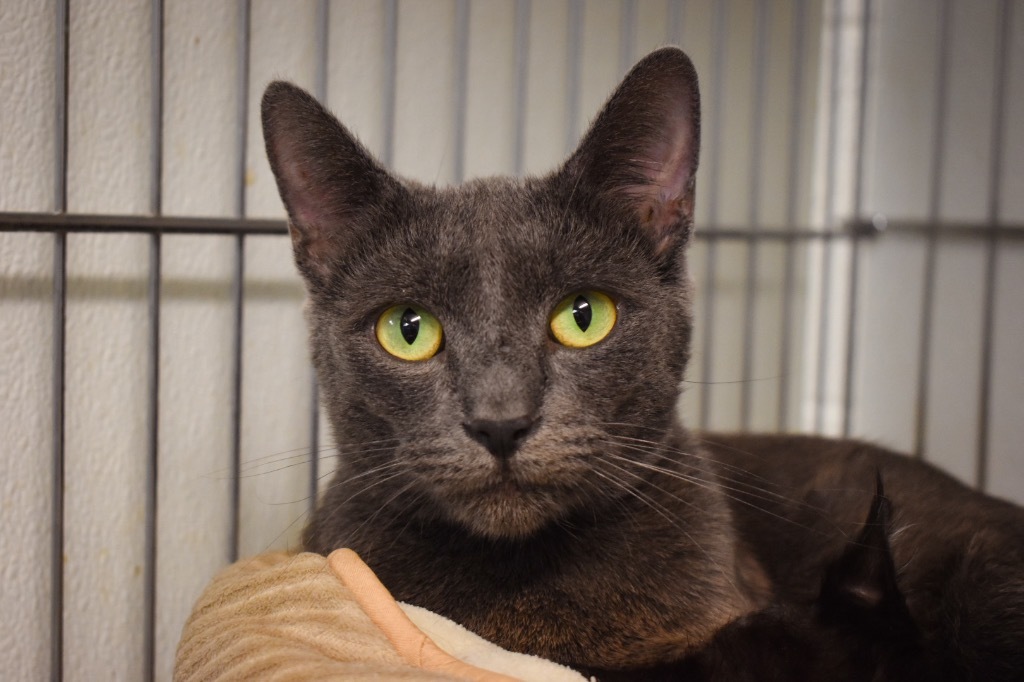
(302, 617)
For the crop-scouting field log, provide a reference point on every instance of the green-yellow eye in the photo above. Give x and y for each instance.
(583, 319)
(409, 332)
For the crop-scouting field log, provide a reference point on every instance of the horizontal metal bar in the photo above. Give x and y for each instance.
(53, 222)
(982, 230)
(69, 223)
(749, 234)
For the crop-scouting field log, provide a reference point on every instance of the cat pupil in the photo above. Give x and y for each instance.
(410, 325)
(582, 313)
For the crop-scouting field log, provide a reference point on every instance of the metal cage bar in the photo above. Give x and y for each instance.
(856, 209)
(153, 361)
(1002, 53)
(523, 9)
(238, 276)
(797, 58)
(460, 92)
(674, 23)
(627, 34)
(522, 57)
(934, 198)
(821, 377)
(762, 20)
(711, 260)
(574, 64)
(60, 277)
(256, 227)
(389, 44)
(323, 48)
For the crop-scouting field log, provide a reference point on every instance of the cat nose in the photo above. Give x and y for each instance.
(501, 437)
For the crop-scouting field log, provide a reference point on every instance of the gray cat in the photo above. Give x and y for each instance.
(501, 363)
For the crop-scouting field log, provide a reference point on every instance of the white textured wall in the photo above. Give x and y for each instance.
(26, 183)
(109, 171)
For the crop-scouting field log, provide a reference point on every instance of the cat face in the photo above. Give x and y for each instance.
(494, 354)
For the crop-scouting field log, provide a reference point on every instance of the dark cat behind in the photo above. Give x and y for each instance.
(501, 363)
(857, 628)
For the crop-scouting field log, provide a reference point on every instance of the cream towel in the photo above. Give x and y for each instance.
(303, 617)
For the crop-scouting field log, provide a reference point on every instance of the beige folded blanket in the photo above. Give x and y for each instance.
(303, 617)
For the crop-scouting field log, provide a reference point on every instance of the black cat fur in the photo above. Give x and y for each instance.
(611, 537)
(857, 629)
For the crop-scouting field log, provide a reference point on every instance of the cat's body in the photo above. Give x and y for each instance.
(959, 554)
(538, 490)
(856, 627)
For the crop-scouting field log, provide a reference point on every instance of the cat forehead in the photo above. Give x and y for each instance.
(501, 219)
(487, 239)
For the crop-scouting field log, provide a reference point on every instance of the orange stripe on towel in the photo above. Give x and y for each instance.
(412, 644)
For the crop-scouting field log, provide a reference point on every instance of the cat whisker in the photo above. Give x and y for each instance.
(383, 506)
(736, 495)
(249, 466)
(654, 485)
(659, 449)
(665, 513)
(256, 472)
(370, 472)
(412, 502)
(375, 483)
(305, 449)
(665, 446)
(303, 458)
(337, 482)
(301, 517)
(747, 488)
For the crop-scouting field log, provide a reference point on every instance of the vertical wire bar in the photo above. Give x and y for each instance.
(59, 345)
(322, 47)
(57, 523)
(674, 23)
(314, 439)
(322, 61)
(389, 44)
(718, 69)
(237, 291)
(1001, 84)
(924, 353)
(150, 603)
(574, 58)
(627, 35)
(238, 277)
(153, 408)
(63, 21)
(821, 375)
(858, 205)
(522, 47)
(762, 25)
(789, 266)
(460, 89)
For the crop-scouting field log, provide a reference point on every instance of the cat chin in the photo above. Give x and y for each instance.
(507, 512)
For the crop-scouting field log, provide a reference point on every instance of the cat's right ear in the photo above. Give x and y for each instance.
(327, 180)
(641, 151)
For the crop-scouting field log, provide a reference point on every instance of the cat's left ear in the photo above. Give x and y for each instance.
(642, 149)
(861, 585)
